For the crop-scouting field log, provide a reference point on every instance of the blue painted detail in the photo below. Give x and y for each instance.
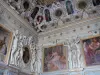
(69, 7)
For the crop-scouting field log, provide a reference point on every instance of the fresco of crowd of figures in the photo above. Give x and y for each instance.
(47, 15)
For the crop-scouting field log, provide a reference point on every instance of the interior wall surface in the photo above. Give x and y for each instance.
(22, 36)
(73, 34)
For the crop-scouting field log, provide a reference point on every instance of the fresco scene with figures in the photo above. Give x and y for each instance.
(54, 58)
(49, 37)
(5, 40)
(91, 50)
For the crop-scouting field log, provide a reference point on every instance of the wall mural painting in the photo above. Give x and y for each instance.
(5, 40)
(96, 2)
(47, 15)
(58, 13)
(69, 7)
(39, 19)
(26, 5)
(54, 58)
(91, 47)
(35, 11)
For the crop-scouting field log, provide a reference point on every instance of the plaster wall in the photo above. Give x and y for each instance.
(22, 35)
(75, 32)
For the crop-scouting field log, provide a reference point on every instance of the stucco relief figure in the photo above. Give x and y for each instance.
(69, 54)
(14, 46)
(67, 43)
(18, 54)
(16, 49)
(79, 57)
(36, 60)
(24, 40)
(29, 41)
(69, 57)
(74, 54)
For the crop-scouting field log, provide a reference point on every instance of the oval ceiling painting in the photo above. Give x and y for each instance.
(82, 4)
(26, 55)
(58, 12)
(26, 5)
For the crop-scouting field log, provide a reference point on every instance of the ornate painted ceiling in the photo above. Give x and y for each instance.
(45, 15)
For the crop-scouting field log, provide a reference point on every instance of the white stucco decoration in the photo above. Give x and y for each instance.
(16, 60)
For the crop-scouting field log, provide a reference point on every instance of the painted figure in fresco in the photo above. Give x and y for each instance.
(92, 50)
(35, 11)
(69, 7)
(47, 15)
(39, 19)
(3, 46)
(96, 2)
(57, 62)
(55, 59)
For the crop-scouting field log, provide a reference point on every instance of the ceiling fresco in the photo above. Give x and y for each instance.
(45, 15)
